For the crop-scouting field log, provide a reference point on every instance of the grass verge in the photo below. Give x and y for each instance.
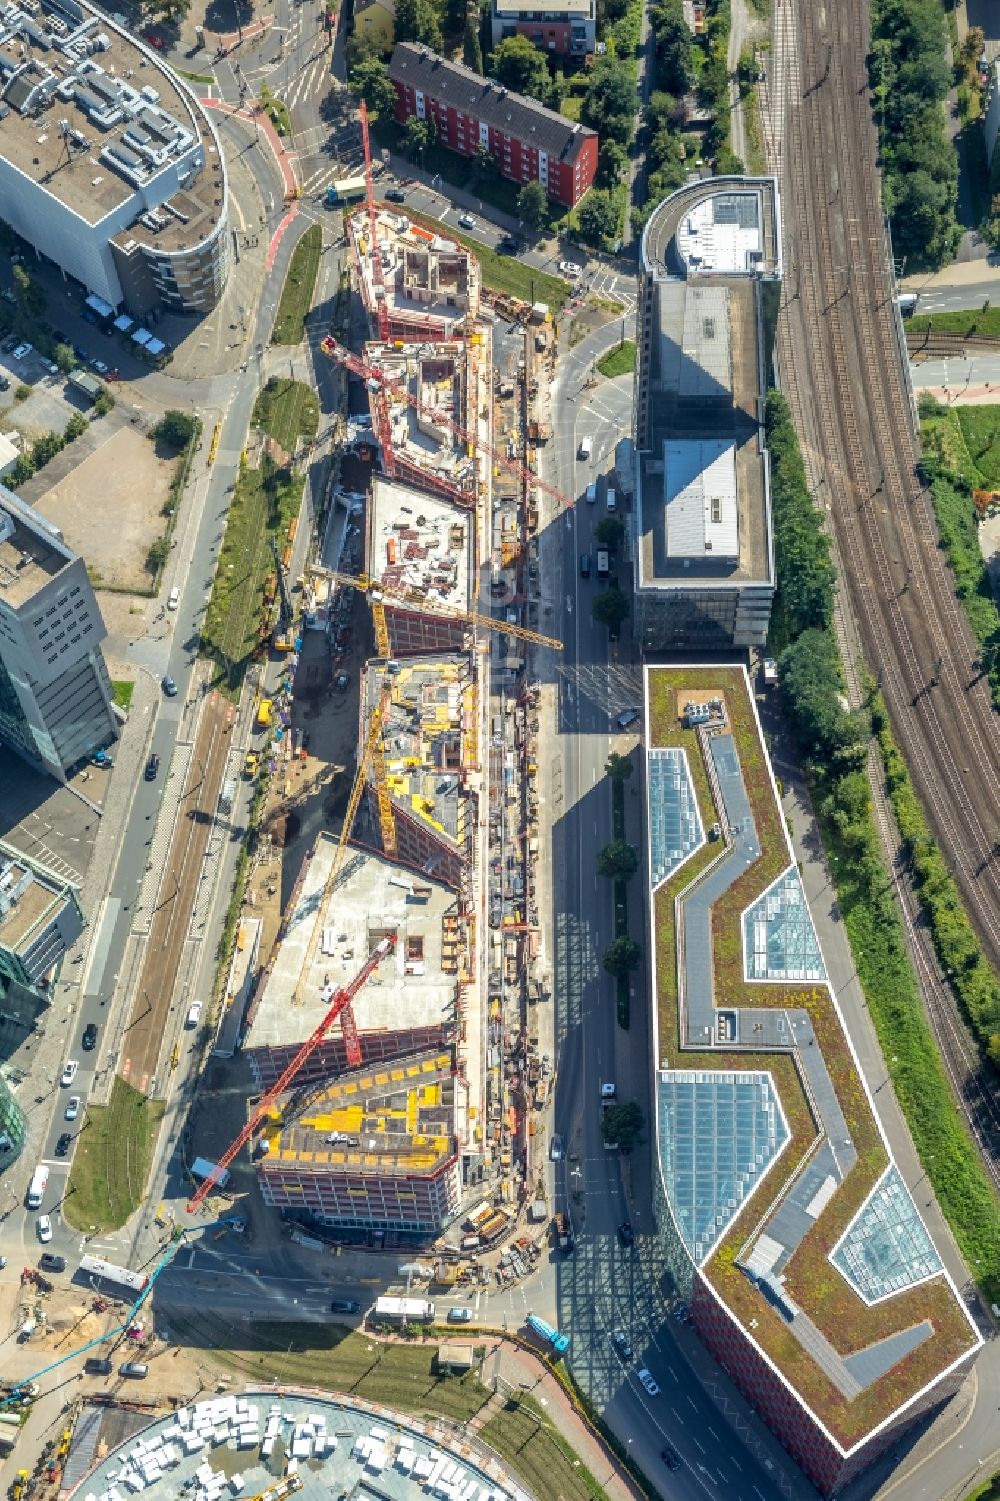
(618, 361)
(121, 693)
(522, 1433)
(109, 1171)
(622, 982)
(501, 272)
(958, 321)
(297, 293)
(287, 410)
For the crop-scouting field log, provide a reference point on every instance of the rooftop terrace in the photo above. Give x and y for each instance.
(772, 1156)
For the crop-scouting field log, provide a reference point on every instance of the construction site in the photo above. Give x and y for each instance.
(393, 1026)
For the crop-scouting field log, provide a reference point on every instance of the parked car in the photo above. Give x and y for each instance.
(62, 1145)
(173, 599)
(69, 1072)
(138, 1370)
(50, 1262)
(22, 351)
(556, 1149)
(570, 269)
(168, 685)
(44, 1228)
(73, 1108)
(459, 1315)
(647, 1380)
(395, 195)
(607, 1091)
(626, 1234)
(94, 1366)
(193, 1015)
(152, 767)
(100, 367)
(4, 383)
(89, 1039)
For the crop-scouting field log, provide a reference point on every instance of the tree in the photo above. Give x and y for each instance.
(486, 164)
(520, 66)
(416, 137)
(617, 861)
(618, 768)
(598, 217)
(674, 46)
(609, 532)
(609, 105)
(621, 1125)
(533, 204)
(360, 46)
(472, 47)
(610, 608)
(811, 683)
(370, 78)
(64, 357)
(417, 21)
(175, 429)
(75, 427)
(28, 295)
(621, 956)
(612, 163)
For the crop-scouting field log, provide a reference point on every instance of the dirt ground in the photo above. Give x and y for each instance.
(108, 508)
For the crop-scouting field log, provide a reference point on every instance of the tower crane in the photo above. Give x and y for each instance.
(382, 387)
(378, 274)
(379, 596)
(340, 1002)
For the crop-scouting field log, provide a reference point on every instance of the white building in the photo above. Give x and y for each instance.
(108, 164)
(55, 694)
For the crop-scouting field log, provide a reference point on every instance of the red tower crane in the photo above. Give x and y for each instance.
(378, 275)
(341, 1000)
(379, 384)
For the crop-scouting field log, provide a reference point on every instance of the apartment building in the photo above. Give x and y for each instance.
(566, 28)
(528, 142)
(55, 693)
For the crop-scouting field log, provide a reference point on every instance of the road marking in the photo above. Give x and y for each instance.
(695, 1441)
(693, 1402)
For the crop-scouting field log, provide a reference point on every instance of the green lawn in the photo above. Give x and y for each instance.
(990, 1491)
(121, 692)
(973, 321)
(109, 1171)
(523, 1434)
(287, 410)
(618, 361)
(570, 105)
(980, 427)
(502, 272)
(297, 293)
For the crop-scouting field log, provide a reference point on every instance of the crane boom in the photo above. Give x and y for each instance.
(341, 998)
(378, 275)
(378, 382)
(380, 596)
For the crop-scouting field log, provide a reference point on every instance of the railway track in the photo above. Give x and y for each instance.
(837, 349)
(933, 342)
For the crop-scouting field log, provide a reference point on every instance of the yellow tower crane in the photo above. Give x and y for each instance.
(379, 596)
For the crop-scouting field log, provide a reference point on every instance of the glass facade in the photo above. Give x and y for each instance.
(779, 937)
(675, 827)
(12, 1126)
(886, 1247)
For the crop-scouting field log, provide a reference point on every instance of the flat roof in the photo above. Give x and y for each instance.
(777, 1169)
(700, 508)
(31, 550)
(27, 898)
(419, 543)
(710, 224)
(536, 8)
(415, 986)
(95, 116)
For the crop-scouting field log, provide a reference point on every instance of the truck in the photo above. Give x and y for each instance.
(201, 1168)
(404, 1311)
(347, 190)
(603, 563)
(562, 1234)
(559, 1342)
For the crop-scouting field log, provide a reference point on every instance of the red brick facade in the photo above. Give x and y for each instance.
(813, 1450)
(565, 180)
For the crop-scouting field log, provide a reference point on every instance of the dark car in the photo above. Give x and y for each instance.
(168, 685)
(395, 195)
(89, 1039)
(135, 1370)
(625, 1234)
(508, 245)
(345, 1305)
(622, 1344)
(95, 1367)
(152, 767)
(670, 1458)
(81, 354)
(62, 1145)
(4, 383)
(50, 1262)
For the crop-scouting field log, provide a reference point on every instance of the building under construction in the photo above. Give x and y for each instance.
(420, 547)
(430, 282)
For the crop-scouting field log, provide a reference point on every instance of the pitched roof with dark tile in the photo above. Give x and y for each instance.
(488, 101)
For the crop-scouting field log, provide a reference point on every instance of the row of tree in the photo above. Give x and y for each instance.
(910, 78)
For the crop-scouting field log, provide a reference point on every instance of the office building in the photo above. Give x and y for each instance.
(55, 693)
(40, 918)
(703, 555)
(528, 142)
(108, 164)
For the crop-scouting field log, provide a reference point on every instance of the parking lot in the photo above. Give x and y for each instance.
(51, 403)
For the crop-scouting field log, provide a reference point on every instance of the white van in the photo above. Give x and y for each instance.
(586, 448)
(591, 494)
(612, 499)
(36, 1188)
(173, 599)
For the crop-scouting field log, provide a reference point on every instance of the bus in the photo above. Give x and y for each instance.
(347, 190)
(119, 1278)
